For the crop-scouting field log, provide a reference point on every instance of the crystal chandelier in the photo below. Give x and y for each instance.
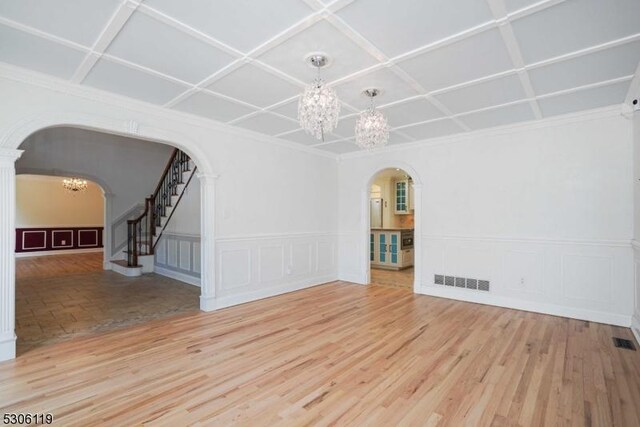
(372, 129)
(319, 106)
(74, 184)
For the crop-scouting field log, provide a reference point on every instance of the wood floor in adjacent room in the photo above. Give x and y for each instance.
(338, 354)
(64, 296)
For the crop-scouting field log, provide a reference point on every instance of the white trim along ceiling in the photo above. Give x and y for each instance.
(445, 67)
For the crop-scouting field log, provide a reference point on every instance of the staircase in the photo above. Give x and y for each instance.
(144, 232)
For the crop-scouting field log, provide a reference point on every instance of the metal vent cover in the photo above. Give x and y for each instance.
(624, 343)
(461, 282)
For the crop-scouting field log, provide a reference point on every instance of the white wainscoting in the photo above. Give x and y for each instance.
(178, 256)
(254, 267)
(635, 323)
(588, 280)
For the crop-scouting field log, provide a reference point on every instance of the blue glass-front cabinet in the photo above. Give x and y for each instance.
(385, 248)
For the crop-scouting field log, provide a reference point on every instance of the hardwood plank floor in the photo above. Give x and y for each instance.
(64, 296)
(396, 278)
(336, 354)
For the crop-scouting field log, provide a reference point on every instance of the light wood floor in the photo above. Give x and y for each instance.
(395, 278)
(64, 296)
(336, 354)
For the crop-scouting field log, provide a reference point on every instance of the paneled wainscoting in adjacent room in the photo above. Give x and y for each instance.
(588, 280)
(178, 256)
(33, 240)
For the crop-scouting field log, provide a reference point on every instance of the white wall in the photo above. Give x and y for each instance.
(275, 202)
(41, 201)
(542, 211)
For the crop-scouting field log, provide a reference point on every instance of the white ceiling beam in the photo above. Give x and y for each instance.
(634, 87)
(108, 34)
(499, 11)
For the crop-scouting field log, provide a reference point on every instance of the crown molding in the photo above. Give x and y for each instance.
(580, 116)
(33, 78)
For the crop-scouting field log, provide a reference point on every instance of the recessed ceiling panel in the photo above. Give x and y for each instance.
(242, 25)
(399, 26)
(158, 46)
(573, 25)
(603, 65)
(255, 86)
(35, 53)
(340, 147)
(267, 123)
(478, 56)
(499, 116)
(584, 99)
(347, 126)
(303, 137)
(130, 82)
(417, 110)
(290, 109)
(80, 21)
(393, 88)
(482, 95)
(432, 129)
(212, 107)
(346, 56)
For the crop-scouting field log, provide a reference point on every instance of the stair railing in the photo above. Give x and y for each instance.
(142, 230)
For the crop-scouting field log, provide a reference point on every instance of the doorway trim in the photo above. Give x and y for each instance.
(10, 142)
(366, 220)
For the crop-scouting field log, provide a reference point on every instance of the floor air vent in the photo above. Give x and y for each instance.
(461, 282)
(623, 343)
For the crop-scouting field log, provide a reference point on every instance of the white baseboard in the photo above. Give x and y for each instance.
(536, 307)
(191, 280)
(635, 326)
(352, 278)
(58, 252)
(207, 303)
(8, 348)
(230, 300)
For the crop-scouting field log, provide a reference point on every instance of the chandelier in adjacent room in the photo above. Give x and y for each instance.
(372, 129)
(75, 184)
(319, 106)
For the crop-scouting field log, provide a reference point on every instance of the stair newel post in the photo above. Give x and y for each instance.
(132, 255)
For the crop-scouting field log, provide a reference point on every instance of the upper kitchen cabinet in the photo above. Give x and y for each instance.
(403, 189)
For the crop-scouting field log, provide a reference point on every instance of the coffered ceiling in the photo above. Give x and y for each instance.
(444, 67)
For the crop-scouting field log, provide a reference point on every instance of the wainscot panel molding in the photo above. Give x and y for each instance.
(45, 239)
(587, 280)
(178, 256)
(576, 279)
(259, 266)
(635, 323)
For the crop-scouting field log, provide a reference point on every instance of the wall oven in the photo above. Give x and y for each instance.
(407, 239)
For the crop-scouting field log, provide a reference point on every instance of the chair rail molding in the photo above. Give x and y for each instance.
(7, 247)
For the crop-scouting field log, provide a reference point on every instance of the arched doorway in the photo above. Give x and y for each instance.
(410, 205)
(9, 153)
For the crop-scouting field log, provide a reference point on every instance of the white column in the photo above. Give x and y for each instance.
(207, 242)
(417, 238)
(107, 234)
(7, 252)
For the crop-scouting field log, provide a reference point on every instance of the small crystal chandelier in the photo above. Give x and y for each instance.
(319, 106)
(372, 129)
(74, 184)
